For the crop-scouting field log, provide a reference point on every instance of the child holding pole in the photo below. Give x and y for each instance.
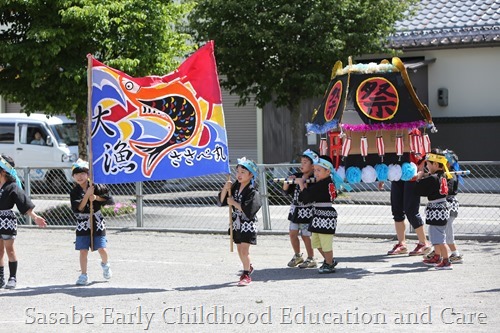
(300, 214)
(245, 201)
(86, 237)
(455, 256)
(434, 185)
(324, 220)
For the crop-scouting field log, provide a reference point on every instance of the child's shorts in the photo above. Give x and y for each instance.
(83, 242)
(437, 234)
(301, 227)
(322, 241)
(7, 237)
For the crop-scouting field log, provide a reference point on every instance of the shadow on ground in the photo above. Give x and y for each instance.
(78, 291)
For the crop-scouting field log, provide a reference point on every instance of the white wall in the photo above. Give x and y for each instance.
(472, 77)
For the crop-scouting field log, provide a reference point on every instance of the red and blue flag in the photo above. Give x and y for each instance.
(158, 127)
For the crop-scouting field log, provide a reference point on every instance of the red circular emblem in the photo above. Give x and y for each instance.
(377, 98)
(333, 100)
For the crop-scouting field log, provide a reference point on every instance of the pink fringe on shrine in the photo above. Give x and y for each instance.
(383, 126)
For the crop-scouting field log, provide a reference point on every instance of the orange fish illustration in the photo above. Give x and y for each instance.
(173, 102)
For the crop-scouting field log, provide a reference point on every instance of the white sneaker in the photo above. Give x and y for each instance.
(106, 271)
(83, 280)
(296, 260)
(309, 263)
(11, 284)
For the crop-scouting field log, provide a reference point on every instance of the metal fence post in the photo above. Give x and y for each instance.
(27, 190)
(266, 216)
(139, 201)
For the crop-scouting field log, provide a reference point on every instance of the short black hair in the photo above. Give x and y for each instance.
(327, 158)
(78, 170)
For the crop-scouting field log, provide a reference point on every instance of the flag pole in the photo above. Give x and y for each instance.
(89, 145)
(231, 248)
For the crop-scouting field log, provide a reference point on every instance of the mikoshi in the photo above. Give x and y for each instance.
(373, 118)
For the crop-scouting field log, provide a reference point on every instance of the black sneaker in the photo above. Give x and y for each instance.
(328, 268)
(322, 267)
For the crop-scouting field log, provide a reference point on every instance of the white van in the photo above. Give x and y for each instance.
(42, 143)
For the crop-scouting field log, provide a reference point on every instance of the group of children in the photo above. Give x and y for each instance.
(313, 217)
(312, 214)
(436, 180)
(11, 193)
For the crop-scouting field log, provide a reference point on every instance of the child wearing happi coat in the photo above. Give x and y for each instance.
(11, 193)
(324, 220)
(300, 214)
(81, 196)
(245, 201)
(455, 256)
(434, 186)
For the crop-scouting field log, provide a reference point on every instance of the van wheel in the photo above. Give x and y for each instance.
(57, 182)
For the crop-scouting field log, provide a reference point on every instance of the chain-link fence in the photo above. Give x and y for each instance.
(190, 204)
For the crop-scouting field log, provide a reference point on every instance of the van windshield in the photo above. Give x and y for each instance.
(66, 133)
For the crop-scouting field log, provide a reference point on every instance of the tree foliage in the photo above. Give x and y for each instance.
(44, 44)
(284, 50)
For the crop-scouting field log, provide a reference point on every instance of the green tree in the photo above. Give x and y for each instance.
(44, 44)
(283, 51)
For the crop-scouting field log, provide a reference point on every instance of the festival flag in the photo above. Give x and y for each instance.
(157, 127)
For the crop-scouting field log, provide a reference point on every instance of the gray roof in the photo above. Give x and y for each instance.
(449, 23)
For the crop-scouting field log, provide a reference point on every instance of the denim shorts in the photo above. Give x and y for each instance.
(7, 237)
(83, 242)
(437, 234)
(301, 227)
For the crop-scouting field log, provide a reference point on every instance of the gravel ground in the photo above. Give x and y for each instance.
(183, 282)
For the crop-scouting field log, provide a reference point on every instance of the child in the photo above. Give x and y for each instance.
(245, 200)
(324, 221)
(11, 193)
(434, 186)
(81, 196)
(300, 214)
(455, 256)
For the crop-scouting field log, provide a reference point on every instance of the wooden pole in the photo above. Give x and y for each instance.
(89, 145)
(292, 181)
(228, 195)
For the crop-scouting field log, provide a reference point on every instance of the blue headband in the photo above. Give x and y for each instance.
(8, 168)
(249, 165)
(339, 182)
(80, 164)
(310, 154)
(454, 164)
(324, 163)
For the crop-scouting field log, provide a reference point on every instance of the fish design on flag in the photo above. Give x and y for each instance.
(174, 103)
